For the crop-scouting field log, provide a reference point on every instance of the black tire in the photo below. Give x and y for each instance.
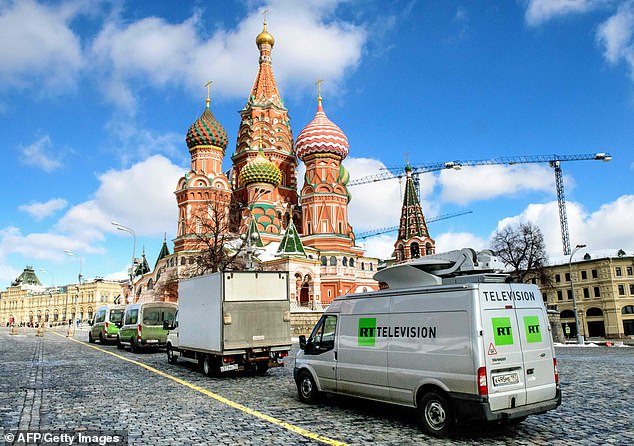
(170, 354)
(208, 366)
(262, 368)
(436, 414)
(120, 346)
(134, 347)
(90, 338)
(101, 341)
(306, 388)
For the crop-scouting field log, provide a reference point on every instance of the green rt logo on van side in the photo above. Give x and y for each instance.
(367, 331)
(502, 334)
(533, 333)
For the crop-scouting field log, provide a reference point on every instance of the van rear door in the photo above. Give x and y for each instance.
(537, 349)
(502, 347)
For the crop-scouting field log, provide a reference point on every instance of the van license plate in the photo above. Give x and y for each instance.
(226, 368)
(504, 380)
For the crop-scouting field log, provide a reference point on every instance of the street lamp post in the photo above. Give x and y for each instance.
(130, 231)
(81, 264)
(574, 299)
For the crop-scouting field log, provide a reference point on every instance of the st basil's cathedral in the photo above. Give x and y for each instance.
(307, 234)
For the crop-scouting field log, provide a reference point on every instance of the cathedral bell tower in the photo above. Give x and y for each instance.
(264, 117)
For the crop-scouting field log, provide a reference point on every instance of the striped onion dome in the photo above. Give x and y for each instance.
(321, 136)
(207, 131)
(260, 170)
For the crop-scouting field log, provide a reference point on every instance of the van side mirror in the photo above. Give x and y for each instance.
(302, 342)
(91, 322)
(119, 324)
(167, 325)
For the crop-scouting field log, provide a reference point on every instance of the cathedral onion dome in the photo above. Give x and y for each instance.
(207, 131)
(264, 37)
(321, 136)
(344, 175)
(260, 170)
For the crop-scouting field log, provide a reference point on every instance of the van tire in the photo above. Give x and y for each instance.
(90, 338)
(101, 341)
(436, 414)
(170, 354)
(306, 388)
(120, 346)
(134, 347)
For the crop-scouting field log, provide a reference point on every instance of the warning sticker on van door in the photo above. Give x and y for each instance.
(533, 333)
(502, 333)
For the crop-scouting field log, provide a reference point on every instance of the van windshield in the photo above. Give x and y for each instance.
(156, 315)
(116, 315)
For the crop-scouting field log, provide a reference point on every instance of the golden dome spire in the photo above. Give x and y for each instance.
(264, 36)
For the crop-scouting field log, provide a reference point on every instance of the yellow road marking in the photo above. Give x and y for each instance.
(296, 429)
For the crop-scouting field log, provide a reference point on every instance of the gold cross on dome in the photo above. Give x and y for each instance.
(264, 13)
(208, 85)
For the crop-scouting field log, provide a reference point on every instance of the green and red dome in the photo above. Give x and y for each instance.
(260, 170)
(207, 131)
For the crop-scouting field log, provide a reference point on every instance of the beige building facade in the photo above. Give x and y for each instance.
(603, 285)
(28, 302)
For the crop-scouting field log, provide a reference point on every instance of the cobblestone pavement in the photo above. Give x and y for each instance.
(53, 383)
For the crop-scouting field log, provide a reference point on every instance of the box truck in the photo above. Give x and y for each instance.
(449, 337)
(232, 321)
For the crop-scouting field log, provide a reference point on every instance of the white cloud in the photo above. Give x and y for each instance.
(310, 44)
(141, 197)
(381, 246)
(486, 182)
(38, 154)
(540, 11)
(38, 46)
(608, 227)
(449, 241)
(615, 36)
(41, 210)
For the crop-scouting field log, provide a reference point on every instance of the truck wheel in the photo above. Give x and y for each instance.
(208, 366)
(435, 414)
(120, 346)
(90, 338)
(306, 388)
(261, 368)
(170, 354)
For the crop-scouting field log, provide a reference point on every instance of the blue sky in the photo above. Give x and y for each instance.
(96, 99)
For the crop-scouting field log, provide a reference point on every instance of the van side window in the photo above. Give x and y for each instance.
(323, 337)
(131, 316)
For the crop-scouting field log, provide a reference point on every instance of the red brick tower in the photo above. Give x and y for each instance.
(203, 194)
(413, 236)
(264, 118)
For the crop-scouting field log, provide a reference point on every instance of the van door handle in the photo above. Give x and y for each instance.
(335, 355)
(530, 371)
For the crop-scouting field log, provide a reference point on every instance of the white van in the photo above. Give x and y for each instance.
(446, 337)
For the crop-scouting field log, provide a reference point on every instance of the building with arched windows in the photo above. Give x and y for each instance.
(603, 283)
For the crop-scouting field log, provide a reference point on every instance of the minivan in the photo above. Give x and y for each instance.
(105, 324)
(143, 325)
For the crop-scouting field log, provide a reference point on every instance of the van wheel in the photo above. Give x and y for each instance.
(120, 346)
(101, 341)
(170, 355)
(134, 347)
(306, 388)
(208, 366)
(90, 338)
(435, 413)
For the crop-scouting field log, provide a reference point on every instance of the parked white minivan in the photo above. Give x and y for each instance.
(447, 338)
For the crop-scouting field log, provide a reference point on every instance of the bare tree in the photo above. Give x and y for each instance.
(522, 248)
(220, 249)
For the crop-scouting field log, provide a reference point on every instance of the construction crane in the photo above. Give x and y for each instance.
(374, 232)
(553, 161)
